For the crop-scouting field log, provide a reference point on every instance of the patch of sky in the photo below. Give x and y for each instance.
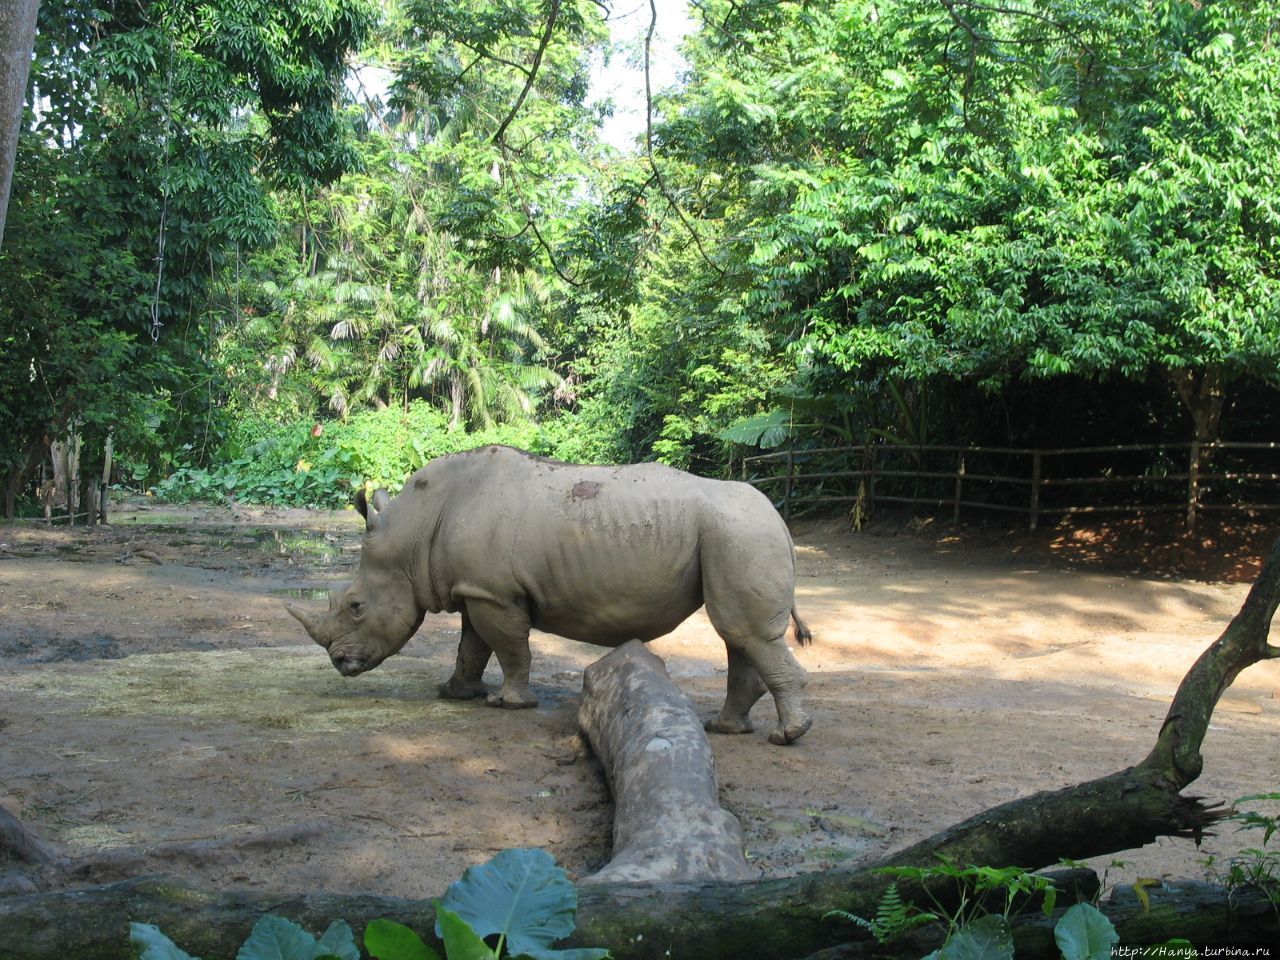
(617, 75)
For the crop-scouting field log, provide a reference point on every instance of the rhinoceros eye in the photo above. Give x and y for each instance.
(356, 608)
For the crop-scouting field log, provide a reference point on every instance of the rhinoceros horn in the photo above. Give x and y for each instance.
(311, 621)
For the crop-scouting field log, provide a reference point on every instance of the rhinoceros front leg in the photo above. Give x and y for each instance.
(505, 629)
(745, 688)
(473, 656)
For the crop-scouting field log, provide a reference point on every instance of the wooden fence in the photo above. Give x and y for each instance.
(1129, 478)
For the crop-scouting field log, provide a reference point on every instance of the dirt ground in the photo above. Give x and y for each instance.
(161, 713)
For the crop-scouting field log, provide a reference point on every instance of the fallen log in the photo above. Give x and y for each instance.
(668, 823)
(777, 918)
(93, 924)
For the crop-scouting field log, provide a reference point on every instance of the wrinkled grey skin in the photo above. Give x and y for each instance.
(598, 554)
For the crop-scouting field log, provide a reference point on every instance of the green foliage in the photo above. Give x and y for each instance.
(523, 898)
(388, 940)
(1255, 820)
(974, 887)
(321, 464)
(977, 918)
(151, 944)
(851, 219)
(986, 938)
(1084, 933)
(1257, 867)
(142, 168)
(520, 899)
(460, 941)
(275, 938)
(272, 938)
(893, 918)
(977, 194)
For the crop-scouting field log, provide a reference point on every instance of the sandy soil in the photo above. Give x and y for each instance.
(160, 711)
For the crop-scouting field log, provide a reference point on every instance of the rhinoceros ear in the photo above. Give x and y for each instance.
(372, 513)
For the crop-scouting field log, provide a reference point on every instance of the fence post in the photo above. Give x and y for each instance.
(871, 478)
(955, 518)
(786, 490)
(1035, 490)
(1193, 485)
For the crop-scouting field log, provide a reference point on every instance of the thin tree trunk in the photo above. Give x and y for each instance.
(17, 39)
(17, 477)
(1203, 393)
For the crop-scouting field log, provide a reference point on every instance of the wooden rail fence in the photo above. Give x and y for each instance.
(1128, 478)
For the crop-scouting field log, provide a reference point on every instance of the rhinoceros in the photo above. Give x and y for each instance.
(593, 553)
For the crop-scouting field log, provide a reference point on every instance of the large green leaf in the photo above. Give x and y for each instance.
(1084, 933)
(987, 938)
(275, 938)
(461, 942)
(521, 895)
(154, 945)
(766, 430)
(339, 941)
(388, 940)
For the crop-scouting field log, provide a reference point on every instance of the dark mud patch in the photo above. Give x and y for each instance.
(79, 649)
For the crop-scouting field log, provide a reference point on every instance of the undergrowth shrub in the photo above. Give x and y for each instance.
(321, 464)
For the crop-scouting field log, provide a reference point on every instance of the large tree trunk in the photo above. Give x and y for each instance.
(781, 918)
(668, 823)
(17, 38)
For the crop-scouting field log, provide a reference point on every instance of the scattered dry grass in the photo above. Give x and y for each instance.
(271, 689)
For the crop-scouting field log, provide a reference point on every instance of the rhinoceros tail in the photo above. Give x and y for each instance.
(804, 636)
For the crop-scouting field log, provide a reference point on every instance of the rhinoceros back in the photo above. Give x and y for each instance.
(608, 554)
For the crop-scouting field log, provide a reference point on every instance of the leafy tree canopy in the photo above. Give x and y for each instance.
(982, 193)
(150, 129)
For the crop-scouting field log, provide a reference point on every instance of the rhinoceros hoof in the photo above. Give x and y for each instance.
(737, 725)
(509, 702)
(461, 690)
(782, 735)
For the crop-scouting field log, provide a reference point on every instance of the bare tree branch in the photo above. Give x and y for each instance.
(530, 221)
(648, 143)
(552, 15)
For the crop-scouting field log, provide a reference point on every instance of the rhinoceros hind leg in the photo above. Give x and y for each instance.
(722, 724)
(784, 734)
(745, 688)
(512, 700)
(785, 679)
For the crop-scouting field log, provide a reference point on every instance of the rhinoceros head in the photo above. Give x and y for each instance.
(374, 616)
